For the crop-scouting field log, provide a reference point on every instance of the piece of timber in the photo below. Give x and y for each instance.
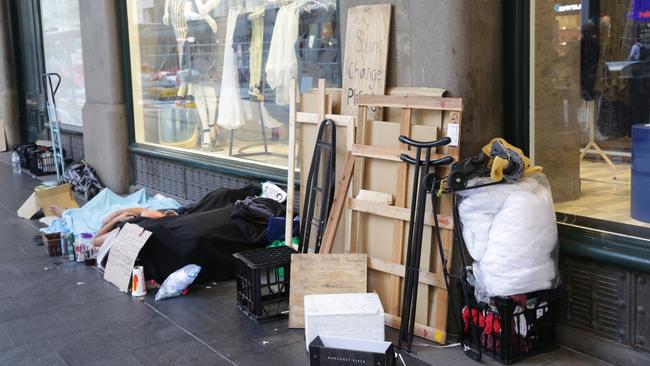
(397, 213)
(338, 203)
(385, 153)
(422, 331)
(397, 269)
(410, 101)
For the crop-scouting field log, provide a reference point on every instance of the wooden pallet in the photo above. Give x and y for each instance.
(378, 168)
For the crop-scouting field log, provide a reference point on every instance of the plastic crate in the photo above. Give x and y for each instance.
(262, 277)
(52, 244)
(509, 332)
(22, 149)
(41, 160)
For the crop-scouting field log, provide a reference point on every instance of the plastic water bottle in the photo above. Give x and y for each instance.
(15, 163)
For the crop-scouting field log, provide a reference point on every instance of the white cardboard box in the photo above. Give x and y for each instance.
(344, 315)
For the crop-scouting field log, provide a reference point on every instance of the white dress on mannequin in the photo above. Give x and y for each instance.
(230, 114)
(282, 63)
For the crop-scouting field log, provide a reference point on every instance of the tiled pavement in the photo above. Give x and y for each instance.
(53, 312)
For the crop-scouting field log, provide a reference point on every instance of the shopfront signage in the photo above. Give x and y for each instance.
(567, 8)
(641, 10)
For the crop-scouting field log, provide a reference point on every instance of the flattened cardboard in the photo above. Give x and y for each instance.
(29, 208)
(313, 274)
(3, 137)
(124, 251)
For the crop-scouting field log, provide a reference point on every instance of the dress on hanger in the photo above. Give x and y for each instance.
(282, 63)
(230, 114)
(256, 48)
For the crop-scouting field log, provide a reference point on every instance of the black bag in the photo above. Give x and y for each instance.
(83, 179)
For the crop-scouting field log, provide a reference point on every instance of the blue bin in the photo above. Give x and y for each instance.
(640, 195)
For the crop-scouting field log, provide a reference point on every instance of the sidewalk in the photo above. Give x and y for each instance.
(54, 312)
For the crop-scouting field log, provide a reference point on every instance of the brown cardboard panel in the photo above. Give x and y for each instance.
(324, 274)
(60, 196)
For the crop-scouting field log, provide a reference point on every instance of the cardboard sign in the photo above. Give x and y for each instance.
(124, 251)
(3, 138)
(60, 196)
(29, 208)
(366, 55)
(313, 274)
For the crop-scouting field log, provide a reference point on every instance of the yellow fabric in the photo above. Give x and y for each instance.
(497, 164)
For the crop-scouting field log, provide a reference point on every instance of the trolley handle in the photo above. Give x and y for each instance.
(442, 161)
(47, 80)
(424, 144)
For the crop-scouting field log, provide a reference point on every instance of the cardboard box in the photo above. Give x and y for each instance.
(44, 198)
(355, 315)
(336, 351)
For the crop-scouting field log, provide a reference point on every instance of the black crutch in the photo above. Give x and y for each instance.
(416, 227)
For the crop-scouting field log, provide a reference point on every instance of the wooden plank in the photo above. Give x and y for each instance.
(357, 180)
(324, 274)
(398, 225)
(438, 335)
(376, 197)
(366, 54)
(397, 269)
(397, 213)
(350, 138)
(3, 139)
(342, 188)
(291, 166)
(410, 101)
(312, 118)
(385, 153)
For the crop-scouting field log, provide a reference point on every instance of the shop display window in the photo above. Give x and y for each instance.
(590, 115)
(62, 54)
(213, 76)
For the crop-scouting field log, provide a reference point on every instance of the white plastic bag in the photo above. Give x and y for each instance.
(510, 231)
(178, 281)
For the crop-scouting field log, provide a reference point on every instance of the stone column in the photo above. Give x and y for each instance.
(105, 123)
(454, 45)
(8, 103)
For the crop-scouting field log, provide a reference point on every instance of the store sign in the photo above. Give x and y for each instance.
(567, 8)
(641, 10)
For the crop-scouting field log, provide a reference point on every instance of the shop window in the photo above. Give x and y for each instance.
(590, 94)
(62, 54)
(213, 76)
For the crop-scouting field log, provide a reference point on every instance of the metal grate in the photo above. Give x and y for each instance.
(595, 297)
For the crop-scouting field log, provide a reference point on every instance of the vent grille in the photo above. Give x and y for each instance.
(595, 297)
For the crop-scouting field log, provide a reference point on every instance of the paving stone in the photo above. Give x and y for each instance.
(186, 351)
(34, 328)
(37, 353)
(85, 347)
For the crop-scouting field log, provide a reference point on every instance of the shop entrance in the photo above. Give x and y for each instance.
(28, 50)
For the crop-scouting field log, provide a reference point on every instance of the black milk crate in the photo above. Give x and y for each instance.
(41, 160)
(22, 150)
(262, 277)
(510, 332)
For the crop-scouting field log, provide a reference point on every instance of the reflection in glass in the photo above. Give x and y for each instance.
(213, 76)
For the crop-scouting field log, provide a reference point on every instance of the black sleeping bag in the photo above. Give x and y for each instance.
(206, 234)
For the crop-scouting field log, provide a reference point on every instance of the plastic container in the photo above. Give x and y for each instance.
(41, 161)
(509, 332)
(64, 242)
(15, 163)
(262, 277)
(86, 249)
(70, 243)
(52, 244)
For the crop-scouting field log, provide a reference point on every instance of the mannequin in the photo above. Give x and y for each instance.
(178, 13)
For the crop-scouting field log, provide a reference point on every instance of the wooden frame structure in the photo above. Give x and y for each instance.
(431, 319)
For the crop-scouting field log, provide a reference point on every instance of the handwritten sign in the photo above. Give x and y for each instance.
(366, 55)
(313, 274)
(124, 251)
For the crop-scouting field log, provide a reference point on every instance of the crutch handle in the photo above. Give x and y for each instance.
(442, 161)
(424, 144)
